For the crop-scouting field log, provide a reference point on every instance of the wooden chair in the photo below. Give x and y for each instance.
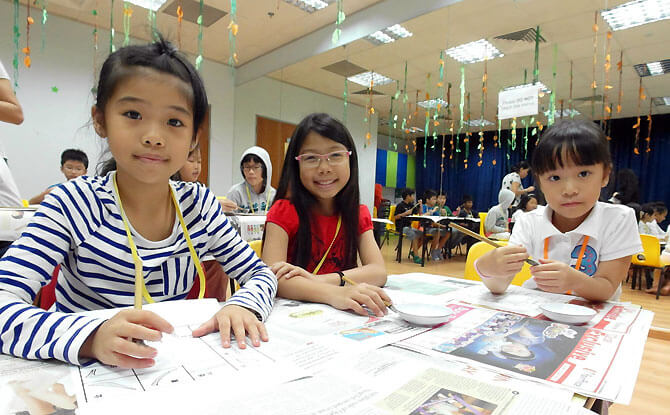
(479, 249)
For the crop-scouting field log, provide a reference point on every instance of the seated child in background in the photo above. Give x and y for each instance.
(439, 232)
(496, 224)
(317, 229)
(216, 280)
(527, 204)
(660, 212)
(646, 217)
(442, 203)
(572, 163)
(73, 163)
(406, 208)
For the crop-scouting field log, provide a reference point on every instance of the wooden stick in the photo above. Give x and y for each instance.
(484, 239)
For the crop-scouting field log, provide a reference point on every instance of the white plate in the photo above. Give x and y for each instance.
(568, 313)
(423, 314)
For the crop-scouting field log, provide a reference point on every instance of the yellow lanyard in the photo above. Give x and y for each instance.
(579, 258)
(251, 206)
(337, 230)
(140, 287)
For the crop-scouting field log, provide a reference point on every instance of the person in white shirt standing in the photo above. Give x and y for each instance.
(11, 112)
(584, 246)
(512, 181)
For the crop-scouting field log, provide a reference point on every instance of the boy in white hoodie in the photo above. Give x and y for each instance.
(254, 194)
(496, 224)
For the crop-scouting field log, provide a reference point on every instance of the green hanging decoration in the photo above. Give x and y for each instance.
(232, 34)
(513, 133)
(345, 96)
(151, 18)
(198, 59)
(112, 48)
(94, 12)
(461, 106)
(127, 14)
(468, 134)
(45, 17)
(338, 23)
(552, 97)
(390, 122)
(536, 67)
(17, 35)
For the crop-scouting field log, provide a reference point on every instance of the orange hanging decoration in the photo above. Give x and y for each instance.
(180, 17)
(619, 66)
(648, 139)
(27, 61)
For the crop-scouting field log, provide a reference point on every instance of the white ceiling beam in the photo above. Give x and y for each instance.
(355, 26)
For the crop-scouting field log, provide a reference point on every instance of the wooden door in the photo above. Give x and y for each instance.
(272, 135)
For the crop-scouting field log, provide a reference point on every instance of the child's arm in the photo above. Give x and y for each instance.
(490, 223)
(558, 277)
(325, 288)
(36, 200)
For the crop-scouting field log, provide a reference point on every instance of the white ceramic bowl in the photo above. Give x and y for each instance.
(423, 314)
(568, 313)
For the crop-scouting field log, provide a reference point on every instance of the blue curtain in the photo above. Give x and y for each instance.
(483, 183)
(380, 171)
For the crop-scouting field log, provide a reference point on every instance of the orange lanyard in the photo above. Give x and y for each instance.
(579, 258)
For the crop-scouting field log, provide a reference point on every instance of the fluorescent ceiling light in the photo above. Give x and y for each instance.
(567, 112)
(364, 79)
(655, 68)
(542, 87)
(636, 13)
(474, 52)
(432, 103)
(310, 6)
(666, 100)
(478, 123)
(148, 4)
(389, 35)
(415, 130)
(661, 101)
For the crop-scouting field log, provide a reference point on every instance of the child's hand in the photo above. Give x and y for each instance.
(554, 276)
(504, 261)
(530, 189)
(238, 319)
(354, 297)
(112, 343)
(288, 271)
(228, 205)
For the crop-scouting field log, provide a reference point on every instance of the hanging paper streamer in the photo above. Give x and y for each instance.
(640, 97)
(607, 111)
(595, 62)
(180, 17)
(232, 33)
(536, 64)
(468, 134)
(496, 139)
(370, 111)
(345, 97)
(112, 48)
(17, 34)
(552, 97)
(461, 106)
(390, 124)
(648, 139)
(151, 19)
(338, 22)
(45, 17)
(127, 14)
(481, 116)
(570, 96)
(94, 12)
(198, 59)
(619, 66)
(513, 133)
(441, 88)
(29, 21)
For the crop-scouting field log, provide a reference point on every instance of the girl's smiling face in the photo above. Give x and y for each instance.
(572, 191)
(324, 181)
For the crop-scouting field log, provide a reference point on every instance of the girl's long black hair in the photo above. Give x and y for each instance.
(347, 201)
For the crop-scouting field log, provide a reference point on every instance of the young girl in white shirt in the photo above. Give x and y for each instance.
(583, 246)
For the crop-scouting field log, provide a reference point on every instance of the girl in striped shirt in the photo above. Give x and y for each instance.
(150, 108)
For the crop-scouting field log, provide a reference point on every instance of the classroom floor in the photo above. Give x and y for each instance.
(649, 396)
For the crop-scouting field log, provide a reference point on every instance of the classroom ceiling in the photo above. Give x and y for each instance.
(567, 25)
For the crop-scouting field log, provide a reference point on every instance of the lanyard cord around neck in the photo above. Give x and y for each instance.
(251, 205)
(140, 287)
(337, 230)
(585, 243)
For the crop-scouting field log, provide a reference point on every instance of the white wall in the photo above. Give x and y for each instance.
(272, 99)
(56, 121)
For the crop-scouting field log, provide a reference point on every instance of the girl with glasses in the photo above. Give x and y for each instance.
(253, 194)
(316, 228)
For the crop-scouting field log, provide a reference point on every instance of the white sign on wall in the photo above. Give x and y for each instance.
(518, 102)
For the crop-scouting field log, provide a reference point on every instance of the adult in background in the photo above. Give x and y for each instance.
(627, 188)
(512, 181)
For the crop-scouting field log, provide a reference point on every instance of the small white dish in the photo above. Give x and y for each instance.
(568, 313)
(423, 314)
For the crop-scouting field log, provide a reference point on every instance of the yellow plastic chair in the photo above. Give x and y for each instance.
(479, 249)
(391, 227)
(257, 246)
(649, 261)
(482, 219)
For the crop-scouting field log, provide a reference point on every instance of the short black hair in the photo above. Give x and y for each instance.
(520, 165)
(581, 141)
(523, 202)
(251, 157)
(466, 198)
(659, 207)
(428, 194)
(406, 192)
(647, 209)
(72, 154)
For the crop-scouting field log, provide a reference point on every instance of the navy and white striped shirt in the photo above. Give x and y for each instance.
(79, 226)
